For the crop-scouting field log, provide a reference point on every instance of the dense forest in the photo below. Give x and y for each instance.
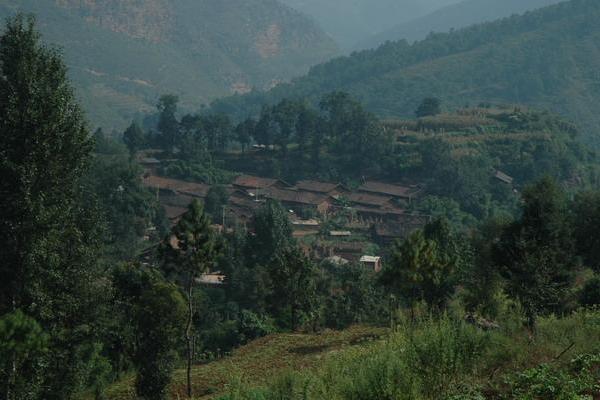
(546, 58)
(105, 296)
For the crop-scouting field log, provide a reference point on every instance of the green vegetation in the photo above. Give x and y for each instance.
(94, 286)
(546, 58)
(445, 359)
(123, 54)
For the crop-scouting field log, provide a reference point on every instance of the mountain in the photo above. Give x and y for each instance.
(123, 54)
(352, 21)
(454, 16)
(548, 58)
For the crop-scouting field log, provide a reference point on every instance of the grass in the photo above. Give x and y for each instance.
(261, 361)
(449, 359)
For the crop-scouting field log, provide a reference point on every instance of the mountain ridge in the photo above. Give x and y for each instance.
(546, 58)
(122, 55)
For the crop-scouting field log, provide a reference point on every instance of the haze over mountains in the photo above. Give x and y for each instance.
(454, 16)
(353, 21)
(548, 58)
(123, 54)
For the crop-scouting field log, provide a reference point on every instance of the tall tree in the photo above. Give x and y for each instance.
(429, 107)
(134, 138)
(294, 284)
(159, 313)
(272, 233)
(535, 253)
(190, 251)
(44, 150)
(168, 126)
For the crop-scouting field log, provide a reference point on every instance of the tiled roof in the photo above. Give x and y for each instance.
(316, 186)
(388, 189)
(292, 196)
(369, 199)
(188, 188)
(253, 182)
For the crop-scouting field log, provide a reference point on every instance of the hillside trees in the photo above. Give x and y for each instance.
(424, 266)
(159, 314)
(429, 107)
(134, 138)
(536, 253)
(45, 150)
(168, 126)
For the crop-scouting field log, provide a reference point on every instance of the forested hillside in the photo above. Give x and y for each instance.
(454, 16)
(352, 21)
(548, 58)
(123, 54)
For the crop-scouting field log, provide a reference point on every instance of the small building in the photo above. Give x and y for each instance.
(370, 200)
(407, 193)
(297, 200)
(176, 186)
(250, 182)
(371, 262)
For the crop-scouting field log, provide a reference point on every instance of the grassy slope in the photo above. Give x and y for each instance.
(261, 361)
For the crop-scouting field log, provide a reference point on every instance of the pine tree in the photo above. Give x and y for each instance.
(190, 251)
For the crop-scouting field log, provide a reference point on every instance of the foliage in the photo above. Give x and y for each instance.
(422, 267)
(429, 107)
(22, 342)
(504, 60)
(160, 313)
(535, 253)
(50, 236)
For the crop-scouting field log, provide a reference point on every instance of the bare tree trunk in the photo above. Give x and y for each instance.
(188, 336)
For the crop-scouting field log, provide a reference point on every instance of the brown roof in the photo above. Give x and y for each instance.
(253, 182)
(369, 199)
(294, 196)
(183, 187)
(388, 189)
(297, 197)
(316, 186)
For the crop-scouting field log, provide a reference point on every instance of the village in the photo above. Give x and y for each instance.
(330, 221)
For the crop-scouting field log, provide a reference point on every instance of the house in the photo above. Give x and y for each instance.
(370, 200)
(502, 177)
(331, 189)
(397, 192)
(296, 200)
(371, 262)
(250, 182)
(175, 186)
